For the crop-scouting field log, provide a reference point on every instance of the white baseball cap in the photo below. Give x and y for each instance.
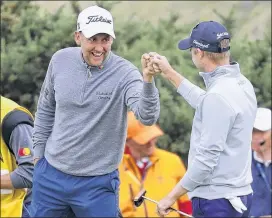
(94, 20)
(263, 119)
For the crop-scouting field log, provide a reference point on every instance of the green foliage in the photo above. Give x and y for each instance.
(30, 36)
(28, 41)
(255, 63)
(228, 21)
(108, 5)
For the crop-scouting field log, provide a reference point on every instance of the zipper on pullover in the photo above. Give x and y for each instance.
(89, 75)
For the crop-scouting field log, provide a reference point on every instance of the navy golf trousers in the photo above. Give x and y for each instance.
(57, 194)
(219, 207)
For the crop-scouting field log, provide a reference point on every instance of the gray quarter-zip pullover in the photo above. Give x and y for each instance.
(219, 163)
(81, 119)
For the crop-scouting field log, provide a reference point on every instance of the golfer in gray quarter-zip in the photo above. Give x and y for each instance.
(80, 123)
(81, 120)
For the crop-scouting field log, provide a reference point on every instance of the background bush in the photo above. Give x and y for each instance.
(30, 35)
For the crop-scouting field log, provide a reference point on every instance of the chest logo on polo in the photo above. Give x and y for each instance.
(103, 95)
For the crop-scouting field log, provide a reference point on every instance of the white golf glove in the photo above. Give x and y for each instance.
(237, 204)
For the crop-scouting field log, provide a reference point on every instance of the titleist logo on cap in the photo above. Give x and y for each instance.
(200, 44)
(98, 18)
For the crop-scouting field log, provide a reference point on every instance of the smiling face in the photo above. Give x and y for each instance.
(94, 49)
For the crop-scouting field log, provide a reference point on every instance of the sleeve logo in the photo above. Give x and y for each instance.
(24, 152)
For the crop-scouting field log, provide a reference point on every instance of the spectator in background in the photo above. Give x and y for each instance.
(261, 164)
(146, 166)
(16, 159)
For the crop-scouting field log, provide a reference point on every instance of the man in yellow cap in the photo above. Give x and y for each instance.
(16, 159)
(144, 166)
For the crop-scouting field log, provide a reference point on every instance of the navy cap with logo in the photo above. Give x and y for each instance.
(206, 36)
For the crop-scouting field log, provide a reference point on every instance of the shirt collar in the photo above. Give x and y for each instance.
(231, 70)
(266, 163)
(153, 158)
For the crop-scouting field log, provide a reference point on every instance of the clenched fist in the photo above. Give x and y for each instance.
(160, 62)
(149, 69)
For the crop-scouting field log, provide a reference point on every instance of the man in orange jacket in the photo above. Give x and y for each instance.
(144, 166)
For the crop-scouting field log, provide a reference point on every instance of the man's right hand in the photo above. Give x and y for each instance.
(161, 62)
(147, 68)
(166, 69)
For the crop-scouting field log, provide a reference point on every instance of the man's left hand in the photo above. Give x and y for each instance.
(163, 206)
